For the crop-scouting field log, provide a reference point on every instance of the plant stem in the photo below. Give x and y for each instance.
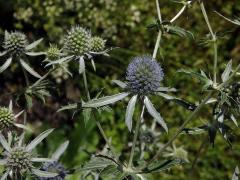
(192, 115)
(214, 39)
(97, 122)
(86, 85)
(135, 137)
(157, 45)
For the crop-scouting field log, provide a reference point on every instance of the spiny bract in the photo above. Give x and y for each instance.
(77, 41)
(144, 75)
(97, 44)
(15, 43)
(54, 167)
(19, 160)
(6, 118)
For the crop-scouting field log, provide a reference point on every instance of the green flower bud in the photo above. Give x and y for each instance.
(19, 160)
(77, 41)
(53, 52)
(97, 44)
(6, 118)
(15, 43)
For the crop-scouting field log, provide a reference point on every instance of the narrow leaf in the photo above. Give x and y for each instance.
(45, 174)
(4, 143)
(23, 127)
(5, 175)
(10, 106)
(33, 44)
(153, 112)
(68, 107)
(35, 53)
(130, 111)
(56, 155)
(3, 53)
(105, 100)
(3, 162)
(227, 71)
(236, 174)
(120, 83)
(29, 69)
(38, 139)
(81, 65)
(59, 61)
(93, 64)
(6, 65)
(42, 160)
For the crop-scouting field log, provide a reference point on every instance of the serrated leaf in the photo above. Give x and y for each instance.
(34, 44)
(29, 69)
(227, 71)
(45, 174)
(38, 139)
(105, 100)
(153, 112)
(6, 65)
(130, 111)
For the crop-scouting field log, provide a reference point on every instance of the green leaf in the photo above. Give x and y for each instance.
(60, 150)
(33, 44)
(178, 31)
(192, 131)
(86, 114)
(38, 139)
(234, 21)
(68, 107)
(3, 162)
(130, 111)
(41, 159)
(105, 100)
(4, 143)
(162, 165)
(3, 53)
(236, 174)
(93, 64)
(45, 174)
(179, 101)
(81, 65)
(166, 89)
(97, 163)
(153, 112)
(59, 61)
(120, 83)
(5, 175)
(29, 69)
(227, 71)
(35, 53)
(6, 65)
(23, 127)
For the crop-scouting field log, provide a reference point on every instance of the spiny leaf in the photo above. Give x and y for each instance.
(6, 65)
(29, 69)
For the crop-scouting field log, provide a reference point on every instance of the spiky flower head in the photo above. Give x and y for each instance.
(19, 160)
(53, 52)
(61, 73)
(77, 41)
(144, 75)
(6, 118)
(54, 167)
(15, 43)
(97, 44)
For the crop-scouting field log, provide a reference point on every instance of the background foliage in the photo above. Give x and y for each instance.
(124, 24)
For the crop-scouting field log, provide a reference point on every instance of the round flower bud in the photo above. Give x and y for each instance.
(77, 41)
(97, 44)
(19, 160)
(6, 118)
(54, 167)
(144, 75)
(147, 137)
(15, 43)
(53, 53)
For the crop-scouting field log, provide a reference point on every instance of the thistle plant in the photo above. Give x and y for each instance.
(19, 159)
(16, 46)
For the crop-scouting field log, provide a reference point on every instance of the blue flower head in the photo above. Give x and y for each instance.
(144, 75)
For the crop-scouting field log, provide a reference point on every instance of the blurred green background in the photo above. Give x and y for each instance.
(124, 24)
